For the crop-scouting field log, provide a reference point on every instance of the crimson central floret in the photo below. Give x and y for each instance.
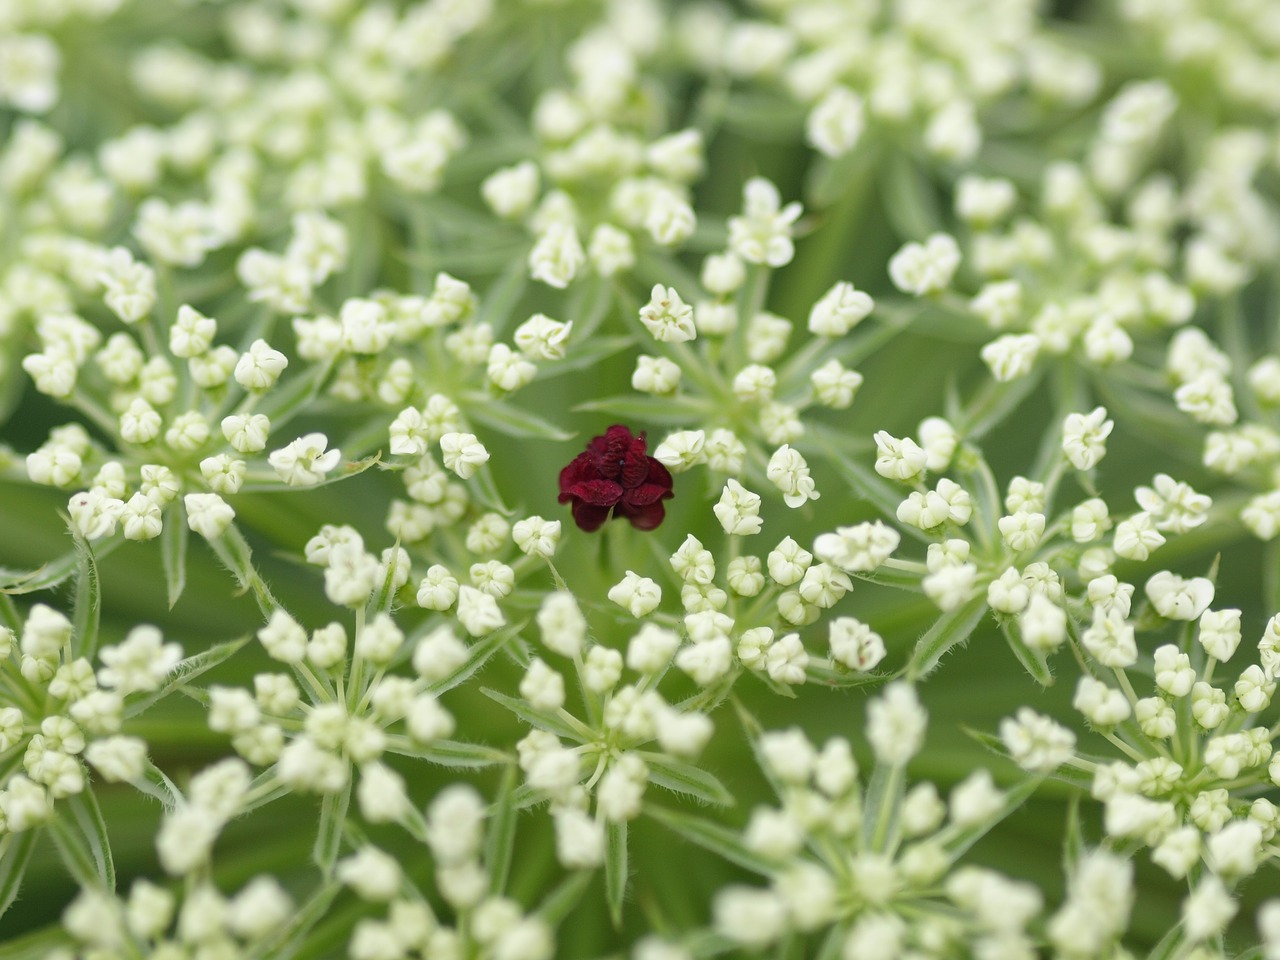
(616, 477)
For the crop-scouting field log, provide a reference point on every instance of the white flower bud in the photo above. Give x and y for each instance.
(835, 123)
(1007, 593)
(1043, 623)
(511, 191)
(656, 375)
(841, 309)
(1177, 599)
(636, 594)
(579, 840)
(682, 450)
(557, 255)
(922, 269)
(1101, 705)
(535, 536)
(463, 453)
(896, 724)
(1137, 536)
(975, 800)
(667, 317)
(738, 510)
(208, 514)
(1011, 356)
(749, 916)
(1036, 743)
(611, 250)
(855, 644)
(898, 459)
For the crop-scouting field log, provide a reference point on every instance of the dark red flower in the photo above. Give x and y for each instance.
(615, 477)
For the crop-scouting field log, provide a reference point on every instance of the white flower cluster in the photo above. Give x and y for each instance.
(1195, 749)
(60, 714)
(877, 869)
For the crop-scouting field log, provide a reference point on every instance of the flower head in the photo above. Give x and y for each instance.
(615, 477)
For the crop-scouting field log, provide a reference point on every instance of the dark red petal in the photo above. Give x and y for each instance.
(579, 470)
(601, 493)
(660, 475)
(645, 494)
(644, 518)
(608, 452)
(589, 517)
(635, 468)
(619, 437)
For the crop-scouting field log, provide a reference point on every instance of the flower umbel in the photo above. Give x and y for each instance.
(615, 477)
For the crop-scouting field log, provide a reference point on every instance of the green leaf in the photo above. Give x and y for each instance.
(449, 753)
(88, 604)
(11, 392)
(910, 200)
(832, 179)
(778, 688)
(949, 630)
(842, 677)
(557, 904)
(500, 842)
(80, 835)
(186, 671)
(541, 719)
(1014, 798)
(287, 941)
(477, 655)
(1168, 946)
(587, 308)
(277, 791)
(681, 777)
(346, 470)
(995, 402)
(615, 869)
(1073, 838)
(654, 266)
(882, 806)
(485, 492)
(18, 848)
(671, 410)
(1032, 660)
(156, 783)
(891, 577)
(173, 551)
(711, 836)
(295, 394)
(9, 615)
(503, 295)
(793, 375)
(235, 554)
(833, 943)
(770, 117)
(526, 797)
(708, 943)
(333, 816)
(384, 599)
(990, 741)
(489, 259)
(581, 357)
(512, 420)
(52, 574)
